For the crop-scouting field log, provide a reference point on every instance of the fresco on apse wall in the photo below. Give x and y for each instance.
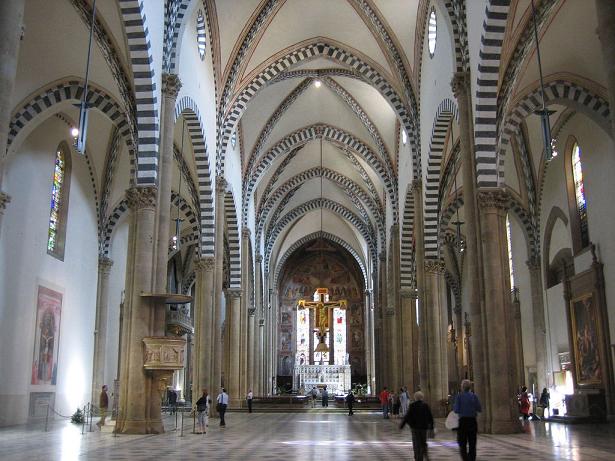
(46, 337)
(304, 272)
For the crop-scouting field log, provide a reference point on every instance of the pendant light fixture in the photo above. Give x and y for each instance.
(80, 134)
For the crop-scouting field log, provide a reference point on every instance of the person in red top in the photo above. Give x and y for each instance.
(384, 401)
(524, 403)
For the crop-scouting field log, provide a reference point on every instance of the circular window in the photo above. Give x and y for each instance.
(432, 32)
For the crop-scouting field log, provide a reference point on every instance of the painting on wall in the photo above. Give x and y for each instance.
(46, 337)
(586, 340)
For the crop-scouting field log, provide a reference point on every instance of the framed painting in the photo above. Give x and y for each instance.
(586, 340)
(46, 336)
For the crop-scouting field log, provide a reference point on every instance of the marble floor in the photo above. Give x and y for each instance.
(301, 436)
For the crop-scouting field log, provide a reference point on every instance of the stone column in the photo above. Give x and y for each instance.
(499, 345)
(459, 339)
(260, 323)
(384, 339)
(251, 352)
(170, 88)
(216, 334)
(462, 91)
(244, 335)
(11, 22)
(138, 388)
(519, 368)
(100, 328)
(538, 314)
(423, 351)
(368, 320)
(203, 320)
(410, 340)
(393, 302)
(605, 9)
(233, 329)
(435, 324)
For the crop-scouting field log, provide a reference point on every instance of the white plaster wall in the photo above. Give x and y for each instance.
(25, 264)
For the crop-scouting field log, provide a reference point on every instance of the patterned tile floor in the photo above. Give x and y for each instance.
(306, 436)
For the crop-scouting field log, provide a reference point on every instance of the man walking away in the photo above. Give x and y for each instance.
(384, 401)
(467, 406)
(350, 402)
(404, 401)
(103, 405)
(314, 393)
(325, 397)
(249, 398)
(202, 408)
(222, 404)
(420, 420)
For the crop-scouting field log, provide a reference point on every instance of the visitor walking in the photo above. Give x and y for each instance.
(173, 401)
(103, 405)
(222, 404)
(404, 401)
(314, 393)
(524, 403)
(249, 398)
(384, 401)
(420, 420)
(325, 397)
(395, 404)
(467, 406)
(202, 409)
(350, 402)
(544, 402)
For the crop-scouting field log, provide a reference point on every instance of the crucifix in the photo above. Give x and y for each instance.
(321, 307)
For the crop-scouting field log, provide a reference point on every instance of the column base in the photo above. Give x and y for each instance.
(235, 404)
(140, 427)
(504, 427)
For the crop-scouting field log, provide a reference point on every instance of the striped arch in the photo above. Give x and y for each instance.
(269, 201)
(175, 11)
(308, 51)
(364, 228)
(407, 279)
(515, 207)
(45, 99)
(187, 108)
(114, 217)
(563, 92)
(310, 238)
(142, 64)
(486, 113)
(457, 15)
(329, 133)
(232, 232)
(446, 111)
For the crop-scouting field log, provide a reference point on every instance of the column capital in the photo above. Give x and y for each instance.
(496, 198)
(4, 201)
(382, 257)
(417, 185)
(252, 311)
(261, 322)
(207, 264)
(533, 264)
(258, 258)
(390, 312)
(434, 266)
(142, 197)
(104, 264)
(171, 84)
(407, 293)
(246, 232)
(460, 84)
(368, 292)
(395, 228)
(220, 183)
(233, 293)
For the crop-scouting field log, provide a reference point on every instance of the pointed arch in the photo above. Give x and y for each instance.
(232, 232)
(188, 108)
(407, 278)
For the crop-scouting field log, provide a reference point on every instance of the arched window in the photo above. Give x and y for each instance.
(432, 32)
(56, 235)
(510, 258)
(200, 34)
(576, 196)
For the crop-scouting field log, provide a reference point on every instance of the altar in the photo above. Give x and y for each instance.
(335, 377)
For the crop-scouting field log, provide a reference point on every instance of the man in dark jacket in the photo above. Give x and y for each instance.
(350, 402)
(420, 420)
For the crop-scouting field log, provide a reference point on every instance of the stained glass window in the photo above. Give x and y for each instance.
(579, 193)
(432, 32)
(58, 205)
(510, 260)
(339, 336)
(200, 34)
(234, 139)
(303, 336)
